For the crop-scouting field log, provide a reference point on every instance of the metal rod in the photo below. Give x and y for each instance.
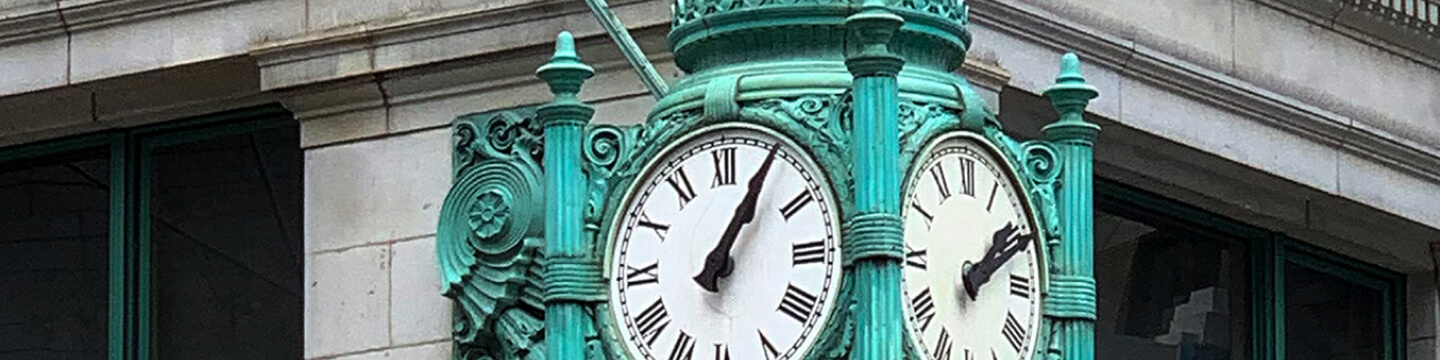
(621, 35)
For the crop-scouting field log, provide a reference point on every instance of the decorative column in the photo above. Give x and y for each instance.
(572, 275)
(1071, 301)
(875, 241)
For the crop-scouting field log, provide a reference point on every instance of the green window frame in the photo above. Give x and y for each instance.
(129, 302)
(1269, 253)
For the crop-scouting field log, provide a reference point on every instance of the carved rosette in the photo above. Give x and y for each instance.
(489, 238)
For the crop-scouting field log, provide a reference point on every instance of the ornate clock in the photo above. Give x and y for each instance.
(974, 268)
(727, 246)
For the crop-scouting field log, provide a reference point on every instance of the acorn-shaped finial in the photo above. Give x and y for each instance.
(564, 73)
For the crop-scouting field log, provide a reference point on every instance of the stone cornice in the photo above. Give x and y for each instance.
(66, 16)
(1211, 87)
(445, 36)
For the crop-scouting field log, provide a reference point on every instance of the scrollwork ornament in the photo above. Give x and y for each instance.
(489, 239)
(1042, 169)
(921, 122)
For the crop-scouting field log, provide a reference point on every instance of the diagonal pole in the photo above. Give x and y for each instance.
(621, 35)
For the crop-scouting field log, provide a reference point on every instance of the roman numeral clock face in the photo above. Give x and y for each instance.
(728, 248)
(972, 265)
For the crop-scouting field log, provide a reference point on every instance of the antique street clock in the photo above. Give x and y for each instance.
(821, 184)
(728, 248)
(974, 264)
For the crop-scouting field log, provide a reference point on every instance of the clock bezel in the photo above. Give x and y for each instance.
(1007, 166)
(614, 331)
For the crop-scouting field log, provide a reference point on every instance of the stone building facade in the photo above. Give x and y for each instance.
(1312, 121)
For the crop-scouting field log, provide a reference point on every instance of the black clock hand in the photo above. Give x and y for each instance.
(1005, 244)
(718, 263)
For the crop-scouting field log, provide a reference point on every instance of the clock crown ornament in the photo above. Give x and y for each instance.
(778, 202)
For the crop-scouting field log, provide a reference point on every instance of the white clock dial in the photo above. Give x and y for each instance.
(784, 262)
(962, 198)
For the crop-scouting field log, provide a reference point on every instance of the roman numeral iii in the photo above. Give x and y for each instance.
(808, 253)
(1019, 286)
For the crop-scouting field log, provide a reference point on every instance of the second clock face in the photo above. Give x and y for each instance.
(775, 230)
(972, 265)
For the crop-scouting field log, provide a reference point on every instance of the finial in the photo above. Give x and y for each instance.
(1070, 69)
(565, 48)
(564, 73)
(1070, 81)
(1069, 96)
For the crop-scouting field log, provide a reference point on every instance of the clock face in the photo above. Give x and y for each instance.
(979, 296)
(774, 283)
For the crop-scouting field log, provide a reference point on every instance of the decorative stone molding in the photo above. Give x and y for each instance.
(1216, 89)
(66, 16)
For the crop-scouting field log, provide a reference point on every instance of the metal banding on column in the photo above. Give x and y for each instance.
(874, 236)
(572, 279)
(1071, 297)
(569, 269)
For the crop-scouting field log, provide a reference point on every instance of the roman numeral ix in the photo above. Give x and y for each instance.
(642, 276)
(916, 258)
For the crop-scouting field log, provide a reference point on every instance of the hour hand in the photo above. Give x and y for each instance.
(1005, 244)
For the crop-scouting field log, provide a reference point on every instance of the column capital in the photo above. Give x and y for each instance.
(1070, 95)
(874, 26)
(565, 73)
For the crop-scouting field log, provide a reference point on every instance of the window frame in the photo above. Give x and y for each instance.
(1269, 251)
(128, 336)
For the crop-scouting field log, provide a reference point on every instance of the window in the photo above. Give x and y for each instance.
(174, 242)
(1175, 282)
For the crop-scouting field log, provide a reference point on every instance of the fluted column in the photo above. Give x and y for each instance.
(1071, 301)
(875, 239)
(571, 273)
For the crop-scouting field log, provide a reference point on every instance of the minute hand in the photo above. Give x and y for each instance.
(718, 263)
(1005, 244)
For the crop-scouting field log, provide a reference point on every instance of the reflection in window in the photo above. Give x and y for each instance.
(1327, 317)
(226, 234)
(1166, 291)
(54, 233)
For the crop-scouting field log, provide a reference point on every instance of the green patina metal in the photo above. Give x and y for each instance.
(861, 86)
(572, 274)
(874, 234)
(1070, 301)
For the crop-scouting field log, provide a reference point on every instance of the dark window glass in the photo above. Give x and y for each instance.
(1167, 290)
(226, 231)
(1327, 317)
(54, 257)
